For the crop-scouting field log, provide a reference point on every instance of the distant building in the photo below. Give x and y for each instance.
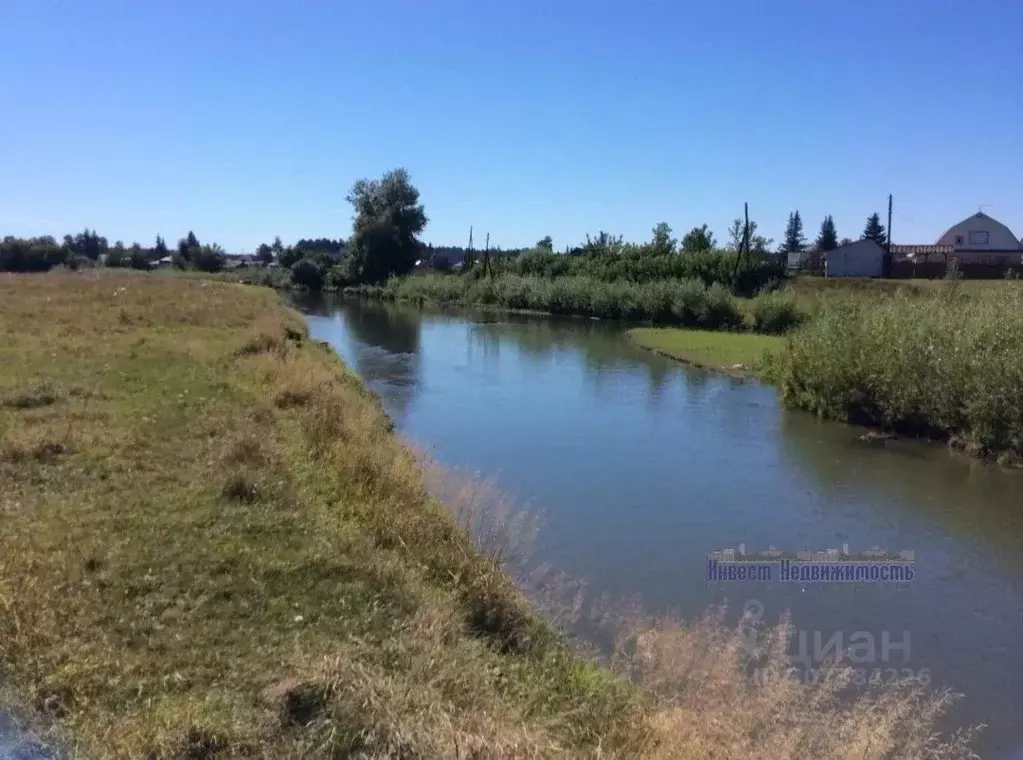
(862, 258)
(445, 256)
(798, 259)
(979, 239)
(978, 246)
(810, 259)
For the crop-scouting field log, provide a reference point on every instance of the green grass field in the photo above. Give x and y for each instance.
(739, 353)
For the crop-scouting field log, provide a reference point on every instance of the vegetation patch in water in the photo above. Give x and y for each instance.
(733, 352)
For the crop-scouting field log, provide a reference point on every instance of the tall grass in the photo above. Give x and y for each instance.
(687, 303)
(946, 365)
(644, 266)
(709, 705)
(269, 277)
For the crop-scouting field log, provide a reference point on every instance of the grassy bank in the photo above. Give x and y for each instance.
(688, 303)
(734, 353)
(214, 546)
(944, 363)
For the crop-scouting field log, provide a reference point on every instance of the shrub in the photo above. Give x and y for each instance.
(774, 313)
(209, 258)
(308, 273)
(30, 254)
(341, 275)
(116, 257)
(138, 259)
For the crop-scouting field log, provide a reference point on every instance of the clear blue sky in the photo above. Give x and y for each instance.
(245, 120)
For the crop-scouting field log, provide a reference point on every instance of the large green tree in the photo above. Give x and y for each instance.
(189, 248)
(31, 254)
(137, 257)
(662, 241)
(794, 241)
(604, 244)
(388, 221)
(827, 238)
(698, 239)
(874, 230)
(309, 273)
(209, 258)
(264, 254)
(757, 242)
(86, 243)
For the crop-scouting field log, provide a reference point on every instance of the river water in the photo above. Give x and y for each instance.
(641, 467)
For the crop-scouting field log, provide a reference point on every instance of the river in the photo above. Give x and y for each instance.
(641, 467)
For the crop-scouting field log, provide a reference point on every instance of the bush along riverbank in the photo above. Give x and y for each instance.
(215, 546)
(688, 303)
(945, 365)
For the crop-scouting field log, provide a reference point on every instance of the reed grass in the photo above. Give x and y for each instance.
(944, 364)
(671, 302)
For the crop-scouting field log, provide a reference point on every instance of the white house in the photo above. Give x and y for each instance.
(862, 258)
(978, 239)
(980, 233)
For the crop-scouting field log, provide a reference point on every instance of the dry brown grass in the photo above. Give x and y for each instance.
(708, 696)
(714, 702)
(214, 546)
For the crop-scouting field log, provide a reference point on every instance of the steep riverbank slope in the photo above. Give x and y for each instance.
(214, 545)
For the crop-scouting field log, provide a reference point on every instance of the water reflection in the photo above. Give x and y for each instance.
(395, 328)
(914, 483)
(381, 345)
(658, 376)
(488, 342)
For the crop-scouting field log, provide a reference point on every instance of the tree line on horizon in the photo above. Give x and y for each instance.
(89, 248)
(388, 220)
(827, 238)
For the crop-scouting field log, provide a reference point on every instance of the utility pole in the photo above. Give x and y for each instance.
(743, 244)
(486, 258)
(888, 241)
(468, 253)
